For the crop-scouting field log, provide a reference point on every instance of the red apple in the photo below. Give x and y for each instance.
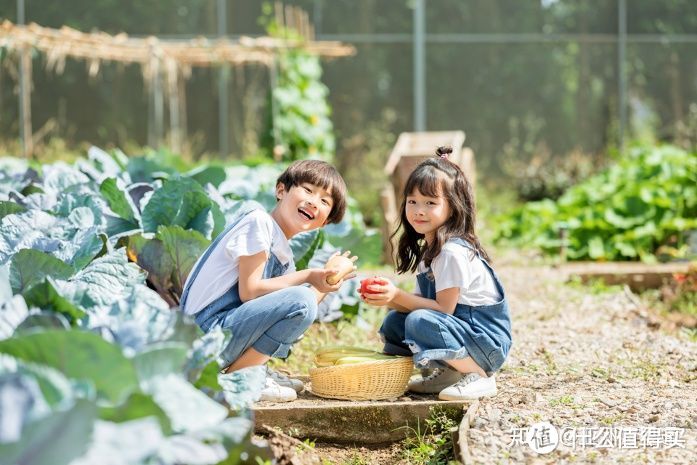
(369, 282)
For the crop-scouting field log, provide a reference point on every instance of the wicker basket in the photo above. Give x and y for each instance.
(374, 380)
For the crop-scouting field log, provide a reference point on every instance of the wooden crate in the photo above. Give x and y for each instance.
(411, 149)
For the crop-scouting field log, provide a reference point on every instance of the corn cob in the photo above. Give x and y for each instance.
(342, 355)
(370, 358)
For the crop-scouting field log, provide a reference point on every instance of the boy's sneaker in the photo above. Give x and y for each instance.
(285, 381)
(273, 392)
(471, 386)
(439, 379)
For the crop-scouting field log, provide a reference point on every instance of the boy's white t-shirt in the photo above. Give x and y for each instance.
(458, 266)
(254, 233)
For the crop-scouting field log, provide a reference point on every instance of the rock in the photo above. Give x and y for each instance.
(608, 402)
(495, 415)
(480, 422)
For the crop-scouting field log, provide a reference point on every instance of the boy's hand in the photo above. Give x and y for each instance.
(318, 279)
(380, 293)
(346, 254)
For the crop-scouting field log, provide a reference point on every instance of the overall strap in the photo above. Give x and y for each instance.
(467, 245)
(194, 273)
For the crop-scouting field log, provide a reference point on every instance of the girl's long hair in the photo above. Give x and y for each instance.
(437, 177)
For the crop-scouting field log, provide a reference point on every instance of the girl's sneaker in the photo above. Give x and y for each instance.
(274, 392)
(436, 381)
(285, 381)
(471, 386)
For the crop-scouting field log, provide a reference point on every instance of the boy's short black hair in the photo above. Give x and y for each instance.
(318, 173)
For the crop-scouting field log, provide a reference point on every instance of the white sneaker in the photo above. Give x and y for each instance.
(470, 387)
(273, 392)
(285, 381)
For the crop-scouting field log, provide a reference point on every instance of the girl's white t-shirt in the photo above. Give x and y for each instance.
(458, 266)
(254, 233)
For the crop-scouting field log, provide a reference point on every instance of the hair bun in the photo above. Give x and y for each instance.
(443, 151)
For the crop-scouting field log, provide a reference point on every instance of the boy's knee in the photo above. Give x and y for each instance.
(303, 303)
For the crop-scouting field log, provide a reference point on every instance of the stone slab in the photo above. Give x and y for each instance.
(638, 276)
(352, 422)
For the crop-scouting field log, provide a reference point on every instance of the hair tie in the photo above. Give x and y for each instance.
(443, 152)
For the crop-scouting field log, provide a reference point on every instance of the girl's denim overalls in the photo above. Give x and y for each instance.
(270, 323)
(481, 332)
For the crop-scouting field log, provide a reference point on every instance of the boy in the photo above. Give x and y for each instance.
(246, 280)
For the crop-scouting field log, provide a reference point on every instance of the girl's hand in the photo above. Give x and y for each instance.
(382, 292)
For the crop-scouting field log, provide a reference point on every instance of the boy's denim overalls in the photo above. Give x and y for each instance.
(270, 323)
(481, 332)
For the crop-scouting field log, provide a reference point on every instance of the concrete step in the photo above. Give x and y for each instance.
(353, 422)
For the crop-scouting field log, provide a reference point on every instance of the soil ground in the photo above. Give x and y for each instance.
(584, 358)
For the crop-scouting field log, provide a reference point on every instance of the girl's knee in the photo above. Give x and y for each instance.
(417, 318)
(393, 323)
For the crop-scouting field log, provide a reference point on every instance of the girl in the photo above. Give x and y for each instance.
(457, 322)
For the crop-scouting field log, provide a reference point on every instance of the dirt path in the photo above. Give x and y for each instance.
(588, 360)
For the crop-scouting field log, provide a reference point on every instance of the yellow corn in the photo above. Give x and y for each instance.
(329, 355)
(359, 359)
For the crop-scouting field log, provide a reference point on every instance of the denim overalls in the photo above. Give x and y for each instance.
(270, 323)
(481, 332)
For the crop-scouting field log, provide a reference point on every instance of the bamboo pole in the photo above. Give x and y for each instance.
(25, 102)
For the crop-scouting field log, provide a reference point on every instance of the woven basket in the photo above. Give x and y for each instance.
(374, 380)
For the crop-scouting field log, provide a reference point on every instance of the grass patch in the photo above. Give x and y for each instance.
(565, 401)
(594, 286)
(433, 446)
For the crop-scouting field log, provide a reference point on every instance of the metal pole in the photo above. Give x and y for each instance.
(419, 66)
(622, 71)
(317, 16)
(224, 79)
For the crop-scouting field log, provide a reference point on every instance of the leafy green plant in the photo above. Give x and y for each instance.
(301, 126)
(434, 445)
(92, 258)
(648, 199)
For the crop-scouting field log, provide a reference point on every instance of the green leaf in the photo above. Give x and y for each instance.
(160, 359)
(214, 175)
(179, 202)
(12, 313)
(151, 255)
(208, 378)
(103, 281)
(93, 246)
(138, 405)
(187, 408)
(9, 208)
(119, 201)
(78, 355)
(44, 295)
(184, 248)
(596, 248)
(31, 266)
(55, 439)
(304, 246)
